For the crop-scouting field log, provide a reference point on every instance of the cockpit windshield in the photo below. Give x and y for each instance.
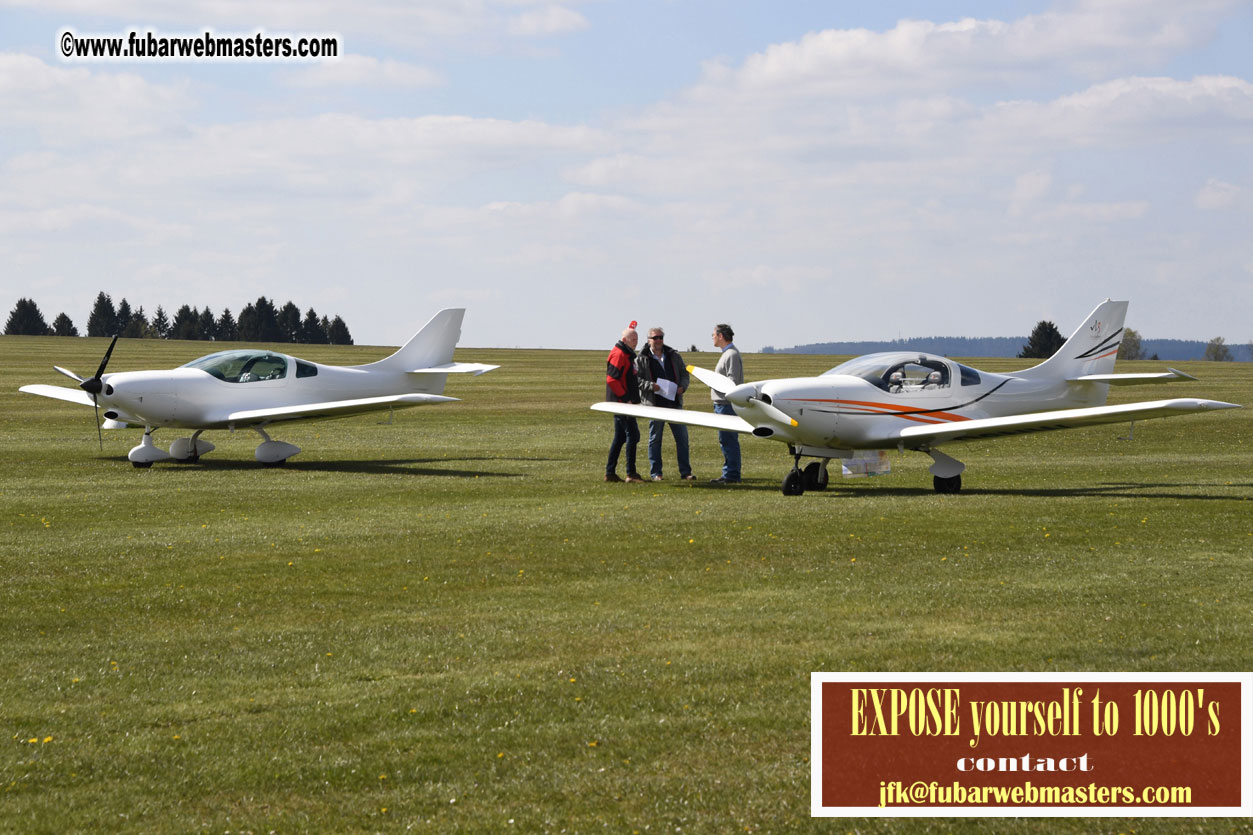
(242, 366)
(900, 372)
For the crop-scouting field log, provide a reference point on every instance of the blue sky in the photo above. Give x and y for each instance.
(806, 171)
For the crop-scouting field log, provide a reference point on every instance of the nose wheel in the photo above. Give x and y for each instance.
(813, 477)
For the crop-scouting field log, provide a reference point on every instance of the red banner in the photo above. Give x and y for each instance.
(1031, 744)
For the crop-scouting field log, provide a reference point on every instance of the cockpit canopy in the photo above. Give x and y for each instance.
(243, 365)
(899, 371)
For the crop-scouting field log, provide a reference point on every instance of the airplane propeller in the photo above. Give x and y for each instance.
(748, 396)
(93, 385)
(743, 397)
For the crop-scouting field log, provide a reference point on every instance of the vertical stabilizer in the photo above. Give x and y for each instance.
(1091, 349)
(430, 346)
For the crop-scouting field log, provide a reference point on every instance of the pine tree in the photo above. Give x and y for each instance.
(246, 328)
(258, 322)
(26, 320)
(160, 324)
(311, 330)
(338, 333)
(227, 330)
(207, 326)
(122, 318)
(63, 326)
(1043, 343)
(137, 327)
(103, 318)
(289, 322)
(186, 324)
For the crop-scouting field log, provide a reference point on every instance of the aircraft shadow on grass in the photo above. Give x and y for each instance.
(1121, 490)
(393, 466)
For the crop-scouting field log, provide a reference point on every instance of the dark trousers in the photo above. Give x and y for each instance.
(625, 431)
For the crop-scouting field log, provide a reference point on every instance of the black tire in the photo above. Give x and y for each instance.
(141, 465)
(794, 483)
(948, 485)
(815, 477)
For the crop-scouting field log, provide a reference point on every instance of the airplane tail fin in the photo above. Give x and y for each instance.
(432, 345)
(1091, 349)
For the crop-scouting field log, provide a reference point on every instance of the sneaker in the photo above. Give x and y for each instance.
(724, 480)
(612, 477)
(656, 478)
(634, 478)
(689, 477)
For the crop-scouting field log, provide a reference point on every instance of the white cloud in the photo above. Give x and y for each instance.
(1217, 195)
(363, 71)
(74, 105)
(790, 193)
(547, 20)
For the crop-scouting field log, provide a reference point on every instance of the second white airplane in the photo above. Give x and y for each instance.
(253, 388)
(915, 401)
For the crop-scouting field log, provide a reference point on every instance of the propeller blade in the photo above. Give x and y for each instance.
(773, 412)
(99, 434)
(68, 373)
(717, 382)
(95, 385)
(104, 362)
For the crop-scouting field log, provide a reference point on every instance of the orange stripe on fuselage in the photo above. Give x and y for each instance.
(892, 407)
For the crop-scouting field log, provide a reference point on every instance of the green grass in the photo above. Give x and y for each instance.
(450, 622)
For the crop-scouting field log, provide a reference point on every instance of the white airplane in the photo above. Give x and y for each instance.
(252, 388)
(909, 400)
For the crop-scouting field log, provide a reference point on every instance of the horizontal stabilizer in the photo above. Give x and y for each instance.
(60, 393)
(337, 408)
(709, 420)
(1170, 375)
(1062, 419)
(475, 368)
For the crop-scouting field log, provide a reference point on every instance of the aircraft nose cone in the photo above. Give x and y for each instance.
(739, 396)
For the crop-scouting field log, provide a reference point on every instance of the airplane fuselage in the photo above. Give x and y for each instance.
(848, 411)
(195, 398)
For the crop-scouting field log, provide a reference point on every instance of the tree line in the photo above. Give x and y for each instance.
(1043, 342)
(1045, 339)
(259, 321)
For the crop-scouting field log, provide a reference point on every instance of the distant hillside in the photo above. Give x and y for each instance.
(997, 346)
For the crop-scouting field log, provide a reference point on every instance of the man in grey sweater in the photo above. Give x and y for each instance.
(729, 365)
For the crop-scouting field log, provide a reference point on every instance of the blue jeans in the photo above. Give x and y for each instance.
(625, 431)
(730, 443)
(656, 431)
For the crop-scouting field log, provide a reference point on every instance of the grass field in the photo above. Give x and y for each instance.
(450, 623)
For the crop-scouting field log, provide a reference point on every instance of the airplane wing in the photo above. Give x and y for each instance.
(475, 368)
(967, 430)
(1170, 375)
(60, 393)
(725, 423)
(336, 408)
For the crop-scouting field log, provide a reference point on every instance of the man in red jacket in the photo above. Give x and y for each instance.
(622, 386)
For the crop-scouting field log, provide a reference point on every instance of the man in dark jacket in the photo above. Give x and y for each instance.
(622, 386)
(659, 367)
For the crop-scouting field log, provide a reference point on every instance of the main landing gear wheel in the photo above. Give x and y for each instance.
(141, 465)
(794, 483)
(948, 485)
(815, 476)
